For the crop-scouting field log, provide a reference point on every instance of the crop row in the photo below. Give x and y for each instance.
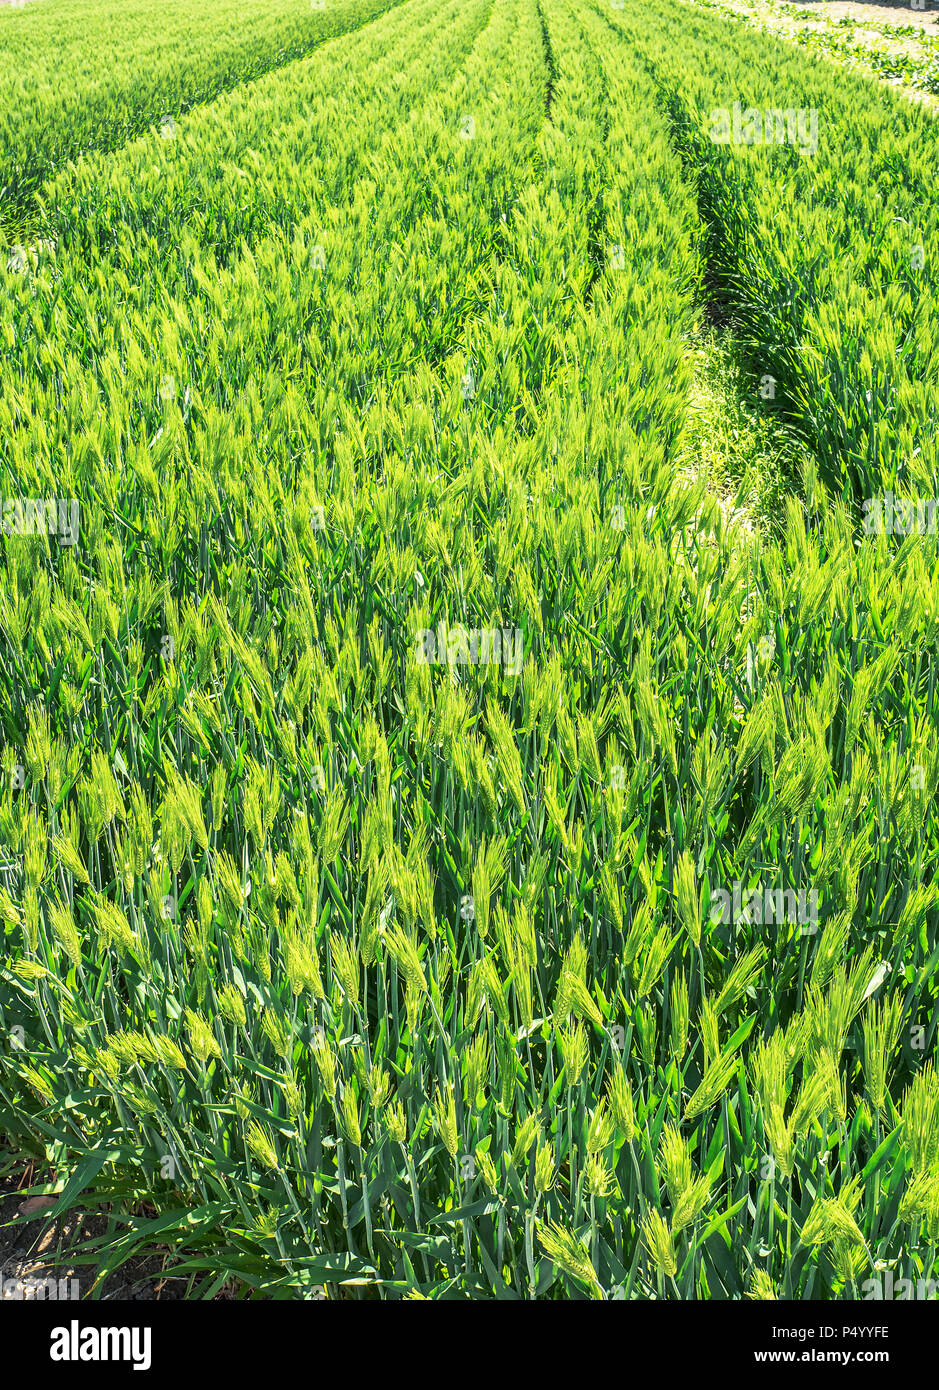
(77, 77)
(822, 237)
(358, 955)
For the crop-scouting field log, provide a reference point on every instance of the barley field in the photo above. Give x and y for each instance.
(469, 600)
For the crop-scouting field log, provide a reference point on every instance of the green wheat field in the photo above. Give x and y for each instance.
(469, 599)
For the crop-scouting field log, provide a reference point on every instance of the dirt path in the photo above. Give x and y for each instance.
(886, 39)
(790, 19)
(896, 12)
